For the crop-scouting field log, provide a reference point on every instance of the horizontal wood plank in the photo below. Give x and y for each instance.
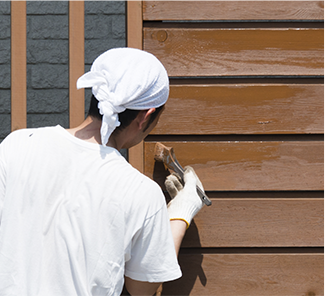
(243, 109)
(249, 275)
(222, 52)
(256, 222)
(233, 10)
(250, 165)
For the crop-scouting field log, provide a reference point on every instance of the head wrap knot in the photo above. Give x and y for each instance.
(124, 78)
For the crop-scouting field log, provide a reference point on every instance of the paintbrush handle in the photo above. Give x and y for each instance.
(177, 168)
(204, 198)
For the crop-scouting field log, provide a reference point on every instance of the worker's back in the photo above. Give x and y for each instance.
(71, 214)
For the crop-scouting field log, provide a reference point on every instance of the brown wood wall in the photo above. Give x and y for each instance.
(246, 111)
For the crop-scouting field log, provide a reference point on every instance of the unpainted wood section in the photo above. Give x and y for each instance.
(243, 109)
(246, 165)
(258, 222)
(76, 62)
(249, 275)
(18, 65)
(222, 52)
(134, 40)
(233, 10)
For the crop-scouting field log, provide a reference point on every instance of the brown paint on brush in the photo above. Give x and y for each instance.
(167, 156)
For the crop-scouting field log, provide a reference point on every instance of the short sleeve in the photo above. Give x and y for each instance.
(153, 256)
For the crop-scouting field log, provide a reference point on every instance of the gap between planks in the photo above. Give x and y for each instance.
(254, 250)
(276, 80)
(236, 138)
(318, 24)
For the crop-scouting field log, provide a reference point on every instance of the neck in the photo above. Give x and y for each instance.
(88, 131)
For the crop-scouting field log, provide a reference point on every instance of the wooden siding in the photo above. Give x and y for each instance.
(232, 52)
(246, 111)
(243, 109)
(247, 165)
(226, 10)
(259, 220)
(249, 274)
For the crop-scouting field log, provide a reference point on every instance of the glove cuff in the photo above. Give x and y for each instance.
(187, 225)
(180, 211)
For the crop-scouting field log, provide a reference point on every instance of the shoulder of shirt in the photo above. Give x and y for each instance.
(18, 134)
(150, 191)
(28, 131)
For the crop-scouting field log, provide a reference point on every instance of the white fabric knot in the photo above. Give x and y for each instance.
(125, 78)
(110, 119)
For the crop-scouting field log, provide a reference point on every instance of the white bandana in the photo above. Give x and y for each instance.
(125, 78)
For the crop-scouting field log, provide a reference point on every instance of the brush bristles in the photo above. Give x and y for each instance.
(159, 152)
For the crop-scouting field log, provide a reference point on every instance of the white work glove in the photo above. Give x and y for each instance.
(185, 202)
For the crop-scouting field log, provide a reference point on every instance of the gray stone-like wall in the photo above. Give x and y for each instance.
(48, 56)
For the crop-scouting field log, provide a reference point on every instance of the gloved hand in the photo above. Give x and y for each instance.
(185, 203)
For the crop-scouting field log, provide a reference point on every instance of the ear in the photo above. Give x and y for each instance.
(144, 116)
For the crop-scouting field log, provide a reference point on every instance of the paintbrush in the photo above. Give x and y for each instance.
(167, 156)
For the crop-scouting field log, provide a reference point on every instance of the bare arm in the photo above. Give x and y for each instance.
(178, 232)
(137, 288)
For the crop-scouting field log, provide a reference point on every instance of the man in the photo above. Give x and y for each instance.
(75, 217)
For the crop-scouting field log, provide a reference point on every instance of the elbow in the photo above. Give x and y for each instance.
(137, 288)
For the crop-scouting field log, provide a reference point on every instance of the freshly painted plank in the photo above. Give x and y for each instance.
(247, 165)
(221, 52)
(258, 222)
(18, 65)
(249, 275)
(76, 62)
(243, 109)
(233, 10)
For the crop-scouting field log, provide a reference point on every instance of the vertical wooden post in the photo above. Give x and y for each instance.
(76, 62)
(134, 40)
(134, 24)
(18, 65)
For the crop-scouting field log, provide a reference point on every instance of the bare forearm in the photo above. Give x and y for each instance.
(178, 231)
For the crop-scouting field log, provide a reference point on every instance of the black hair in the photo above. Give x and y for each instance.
(125, 117)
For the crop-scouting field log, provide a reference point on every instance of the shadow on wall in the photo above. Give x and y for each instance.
(190, 261)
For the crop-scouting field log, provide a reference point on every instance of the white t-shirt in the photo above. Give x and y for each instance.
(75, 217)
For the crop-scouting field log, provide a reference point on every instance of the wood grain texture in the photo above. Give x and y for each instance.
(221, 52)
(243, 109)
(251, 165)
(18, 66)
(76, 62)
(258, 222)
(249, 275)
(233, 10)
